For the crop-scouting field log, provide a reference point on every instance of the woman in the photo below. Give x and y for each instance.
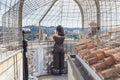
(93, 29)
(58, 50)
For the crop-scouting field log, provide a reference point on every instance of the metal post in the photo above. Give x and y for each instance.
(40, 30)
(22, 42)
(25, 63)
(98, 19)
(20, 22)
(82, 15)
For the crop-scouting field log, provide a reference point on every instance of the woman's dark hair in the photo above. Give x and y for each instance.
(60, 30)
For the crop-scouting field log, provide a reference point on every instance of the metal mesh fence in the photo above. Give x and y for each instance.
(109, 11)
(9, 27)
(10, 56)
(72, 13)
(69, 13)
(65, 13)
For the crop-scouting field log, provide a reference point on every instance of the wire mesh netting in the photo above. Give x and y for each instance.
(64, 12)
(9, 26)
(103, 14)
(52, 13)
(109, 11)
(10, 56)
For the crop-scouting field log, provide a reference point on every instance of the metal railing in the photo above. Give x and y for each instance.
(68, 44)
(11, 67)
(40, 56)
(79, 70)
(12, 64)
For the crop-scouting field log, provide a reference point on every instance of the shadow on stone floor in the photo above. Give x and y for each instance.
(51, 77)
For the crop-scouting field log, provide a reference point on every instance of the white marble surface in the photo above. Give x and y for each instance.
(39, 60)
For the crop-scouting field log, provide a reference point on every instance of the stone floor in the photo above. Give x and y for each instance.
(51, 77)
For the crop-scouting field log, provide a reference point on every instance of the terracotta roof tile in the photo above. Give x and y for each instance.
(105, 62)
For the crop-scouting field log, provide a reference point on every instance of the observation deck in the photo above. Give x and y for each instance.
(79, 18)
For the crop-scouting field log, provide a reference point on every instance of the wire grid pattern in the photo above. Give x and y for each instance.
(8, 27)
(33, 10)
(110, 16)
(65, 13)
(89, 11)
(10, 67)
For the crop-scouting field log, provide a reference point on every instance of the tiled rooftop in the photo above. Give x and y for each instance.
(104, 61)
